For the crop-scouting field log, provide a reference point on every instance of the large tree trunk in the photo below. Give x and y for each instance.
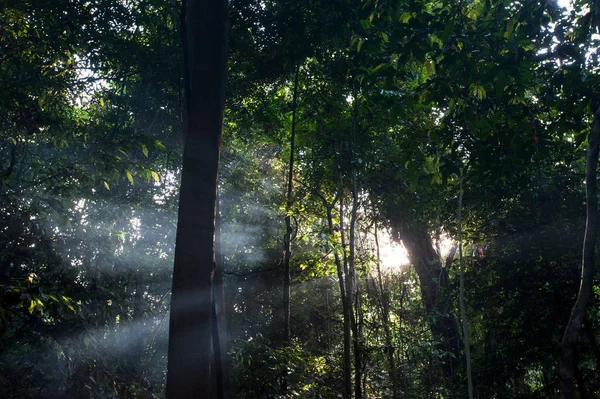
(287, 238)
(190, 328)
(433, 279)
(568, 345)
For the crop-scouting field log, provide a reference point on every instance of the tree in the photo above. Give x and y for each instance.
(588, 265)
(190, 328)
(287, 239)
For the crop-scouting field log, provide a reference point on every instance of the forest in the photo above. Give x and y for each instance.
(269, 199)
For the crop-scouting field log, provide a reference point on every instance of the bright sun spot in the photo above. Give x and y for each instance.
(565, 3)
(394, 256)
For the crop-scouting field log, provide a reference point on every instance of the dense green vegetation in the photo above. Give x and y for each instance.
(401, 198)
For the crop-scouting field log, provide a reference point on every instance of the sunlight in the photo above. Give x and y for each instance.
(394, 256)
(565, 4)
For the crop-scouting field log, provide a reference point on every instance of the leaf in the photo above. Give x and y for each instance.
(510, 27)
(129, 176)
(481, 93)
(145, 150)
(155, 176)
(405, 17)
(385, 37)
(378, 67)
(160, 145)
(34, 304)
(101, 102)
(360, 43)
(107, 186)
(477, 91)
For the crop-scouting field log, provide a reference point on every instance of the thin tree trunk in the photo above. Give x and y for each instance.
(345, 309)
(352, 278)
(568, 345)
(287, 251)
(190, 329)
(463, 311)
(345, 279)
(386, 323)
(221, 342)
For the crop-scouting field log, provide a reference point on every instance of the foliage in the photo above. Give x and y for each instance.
(397, 100)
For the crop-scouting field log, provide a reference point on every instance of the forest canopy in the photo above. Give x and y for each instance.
(299, 199)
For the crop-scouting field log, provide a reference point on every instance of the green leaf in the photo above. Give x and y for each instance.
(360, 43)
(385, 37)
(378, 67)
(405, 17)
(160, 145)
(145, 150)
(101, 102)
(155, 176)
(510, 27)
(107, 186)
(129, 176)
(477, 91)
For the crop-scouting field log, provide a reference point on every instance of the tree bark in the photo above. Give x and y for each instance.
(433, 278)
(463, 311)
(568, 344)
(191, 321)
(352, 278)
(287, 238)
(346, 310)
